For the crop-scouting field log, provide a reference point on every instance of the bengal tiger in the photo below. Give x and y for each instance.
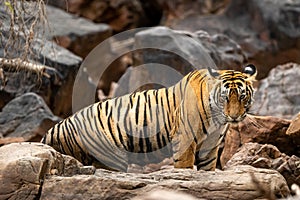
(186, 121)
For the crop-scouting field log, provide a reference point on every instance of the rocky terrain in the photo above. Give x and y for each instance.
(96, 56)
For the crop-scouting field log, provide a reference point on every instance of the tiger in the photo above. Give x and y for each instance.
(186, 122)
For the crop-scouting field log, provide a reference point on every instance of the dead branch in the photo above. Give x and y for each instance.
(18, 64)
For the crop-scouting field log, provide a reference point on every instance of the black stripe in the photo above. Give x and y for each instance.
(106, 107)
(145, 95)
(109, 125)
(145, 123)
(67, 139)
(130, 100)
(59, 143)
(164, 120)
(204, 109)
(157, 128)
(155, 93)
(174, 99)
(167, 99)
(74, 139)
(137, 109)
(141, 142)
(148, 144)
(205, 163)
(158, 140)
(121, 137)
(150, 108)
(130, 137)
(99, 115)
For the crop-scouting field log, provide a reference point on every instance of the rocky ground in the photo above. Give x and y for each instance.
(260, 157)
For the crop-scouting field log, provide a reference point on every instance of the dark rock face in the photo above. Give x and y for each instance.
(56, 89)
(25, 118)
(176, 10)
(269, 157)
(279, 93)
(259, 26)
(119, 14)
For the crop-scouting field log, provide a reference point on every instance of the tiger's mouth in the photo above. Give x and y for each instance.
(235, 119)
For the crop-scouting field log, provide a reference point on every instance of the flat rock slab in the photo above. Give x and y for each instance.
(23, 167)
(235, 183)
(37, 171)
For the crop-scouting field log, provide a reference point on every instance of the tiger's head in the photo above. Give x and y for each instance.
(233, 95)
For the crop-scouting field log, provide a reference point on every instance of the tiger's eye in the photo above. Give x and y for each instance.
(242, 96)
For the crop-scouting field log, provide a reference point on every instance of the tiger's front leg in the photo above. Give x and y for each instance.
(209, 162)
(183, 152)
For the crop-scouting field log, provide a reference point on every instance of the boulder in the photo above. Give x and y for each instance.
(23, 167)
(294, 131)
(80, 35)
(259, 129)
(268, 31)
(162, 56)
(269, 157)
(278, 95)
(234, 183)
(25, 118)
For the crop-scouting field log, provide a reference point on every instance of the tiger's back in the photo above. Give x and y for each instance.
(184, 121)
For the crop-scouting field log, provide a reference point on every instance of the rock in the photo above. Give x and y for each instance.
(67, 64)
(234, 184)
(268, 31)
(80, 35)
(278, 95)
(121, 15)
(294, 131)
(34, 170)
(23, 166)
(174, 10)
(25, 118)
(268, 156)
(56, 89)
(259, 129)
(163, 56)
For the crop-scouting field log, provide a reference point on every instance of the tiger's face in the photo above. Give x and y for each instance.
(234, 95)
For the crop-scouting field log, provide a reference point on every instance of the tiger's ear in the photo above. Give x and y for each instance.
(213, 73)
(250, 71)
